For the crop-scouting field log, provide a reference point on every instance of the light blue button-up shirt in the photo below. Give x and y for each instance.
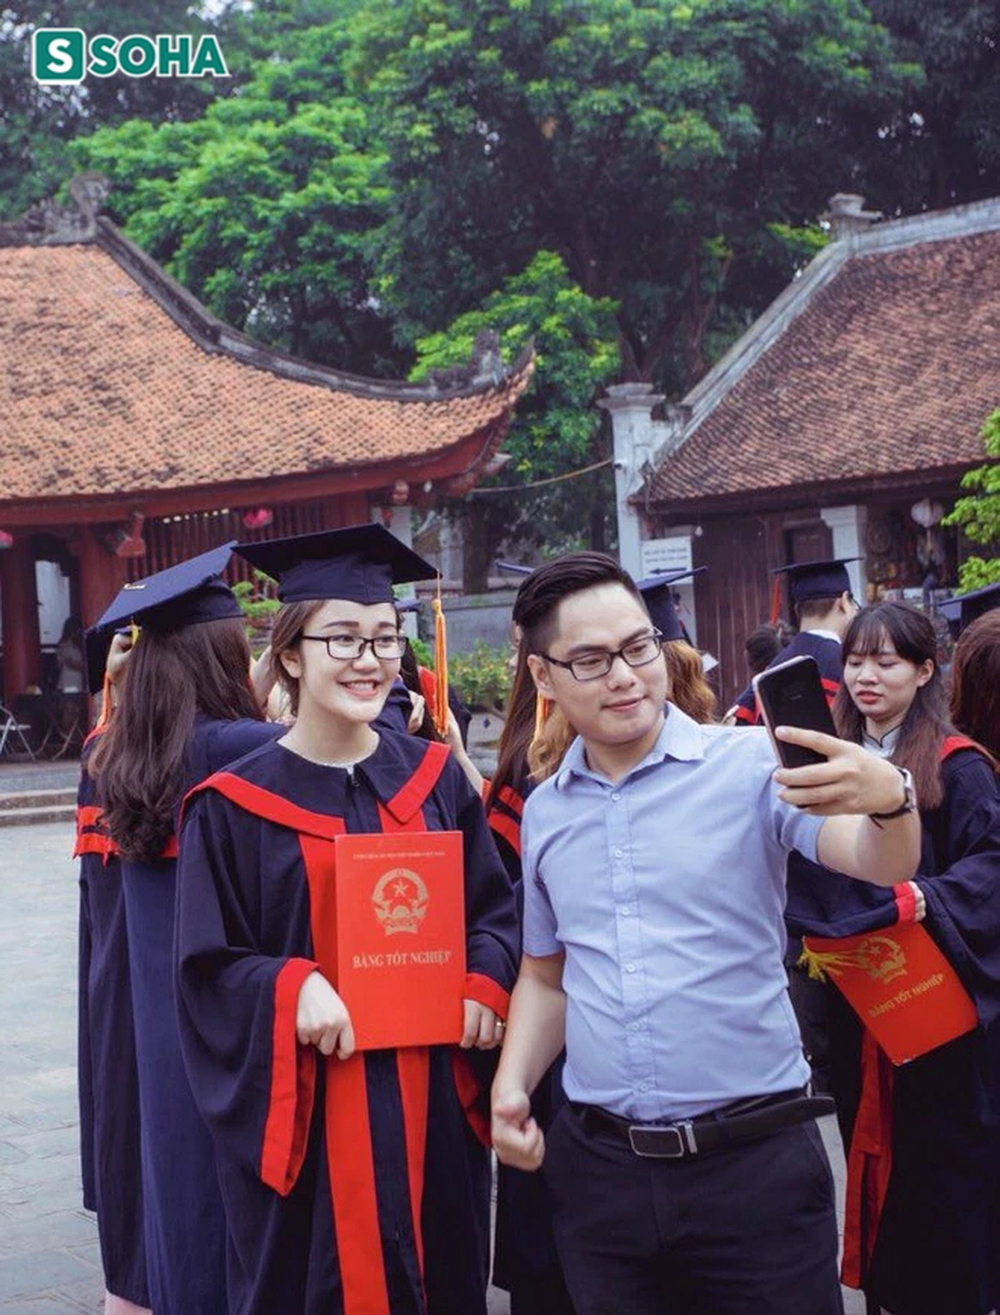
(666, 891)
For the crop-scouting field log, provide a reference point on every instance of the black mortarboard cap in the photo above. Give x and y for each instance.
(186, 594)
(658, 595)
(963, 609)
(360, 563)
(826, 579)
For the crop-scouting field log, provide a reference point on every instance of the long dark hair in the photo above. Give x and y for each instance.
(926, 724)
(517, 733)
(409, 674)
(975, 682)
(139, 761)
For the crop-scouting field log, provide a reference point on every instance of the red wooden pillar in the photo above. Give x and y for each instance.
(102, 574)
(22, 647)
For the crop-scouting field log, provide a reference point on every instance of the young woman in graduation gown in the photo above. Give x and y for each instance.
(353, 1182)
(923, 1139)
(525, 1261)
(107, 1075)
(184, 708)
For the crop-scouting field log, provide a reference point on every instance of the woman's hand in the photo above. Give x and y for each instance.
(482, 1028)
(118, 655)
(453, 739)
(321, 1018)
(418, 706)
(262, 678)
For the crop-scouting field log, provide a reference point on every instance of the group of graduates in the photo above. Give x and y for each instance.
(244, 1157)
(922, 1230)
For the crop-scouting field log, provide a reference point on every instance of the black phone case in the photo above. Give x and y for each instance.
(792, 694)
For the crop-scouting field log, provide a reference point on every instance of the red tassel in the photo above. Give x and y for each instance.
(776, 600)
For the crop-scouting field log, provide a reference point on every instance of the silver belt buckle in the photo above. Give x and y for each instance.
(649, 1142)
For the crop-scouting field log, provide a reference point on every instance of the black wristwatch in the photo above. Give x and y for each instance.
(909, 804)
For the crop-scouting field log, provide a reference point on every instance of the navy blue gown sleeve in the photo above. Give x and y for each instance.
(490, 910)
(963, 897)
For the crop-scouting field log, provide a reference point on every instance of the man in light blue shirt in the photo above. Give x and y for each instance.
(686, 1171)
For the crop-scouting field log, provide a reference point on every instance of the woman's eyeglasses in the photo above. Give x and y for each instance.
(348, 648)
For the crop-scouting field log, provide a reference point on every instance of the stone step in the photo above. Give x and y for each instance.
(22, 816)
(16, 800)
(22, 807)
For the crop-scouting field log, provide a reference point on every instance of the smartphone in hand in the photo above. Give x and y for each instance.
(792, 694)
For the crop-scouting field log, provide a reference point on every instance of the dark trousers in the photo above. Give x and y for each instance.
(749, 1230)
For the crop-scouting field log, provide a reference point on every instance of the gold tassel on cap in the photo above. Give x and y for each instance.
(440, 711)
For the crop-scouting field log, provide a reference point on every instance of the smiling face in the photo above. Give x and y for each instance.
(349, 691)
(883, 684)
(619, 714)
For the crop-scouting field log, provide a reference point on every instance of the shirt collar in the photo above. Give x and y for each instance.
(884, 747)
(824, 634)
(680, 738)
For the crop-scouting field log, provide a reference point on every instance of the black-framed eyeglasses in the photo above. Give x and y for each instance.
(348, 648)
(592, 666)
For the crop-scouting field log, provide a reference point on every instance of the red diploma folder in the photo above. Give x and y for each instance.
(400, 913)
(899, 984)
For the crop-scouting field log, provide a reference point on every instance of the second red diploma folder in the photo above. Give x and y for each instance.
(400, 914)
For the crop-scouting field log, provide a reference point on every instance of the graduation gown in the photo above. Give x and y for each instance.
(352, 1187)
(108, 1082)
(525, 1260)
(184, 1218)
(936, 1244)
(805, 644)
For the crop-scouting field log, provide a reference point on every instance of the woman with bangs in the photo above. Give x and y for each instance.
(354, 1183)
(930, 1240)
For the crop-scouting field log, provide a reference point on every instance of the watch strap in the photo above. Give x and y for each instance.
(909, 804)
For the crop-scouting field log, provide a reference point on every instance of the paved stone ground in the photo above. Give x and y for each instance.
(18, 775)
(49, 1262)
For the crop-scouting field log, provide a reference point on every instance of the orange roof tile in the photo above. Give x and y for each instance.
(103, 392)
(891, 367)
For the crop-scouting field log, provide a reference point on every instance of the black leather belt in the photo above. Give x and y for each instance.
(743, 1121)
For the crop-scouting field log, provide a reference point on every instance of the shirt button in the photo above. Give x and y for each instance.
(625, 911)
(643, 1086)
(615, 795)
(634, 1027)
(618, 853)
(630, 967)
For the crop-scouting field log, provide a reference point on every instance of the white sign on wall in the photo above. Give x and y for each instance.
(673, 554)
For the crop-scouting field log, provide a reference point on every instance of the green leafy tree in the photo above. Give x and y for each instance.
(263, 206)
(555, 430)
(978, 514)
(652, 146)
(38, 123)
(943, 148)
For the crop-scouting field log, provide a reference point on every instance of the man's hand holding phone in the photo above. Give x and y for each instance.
(820, 773)
(851, 780)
